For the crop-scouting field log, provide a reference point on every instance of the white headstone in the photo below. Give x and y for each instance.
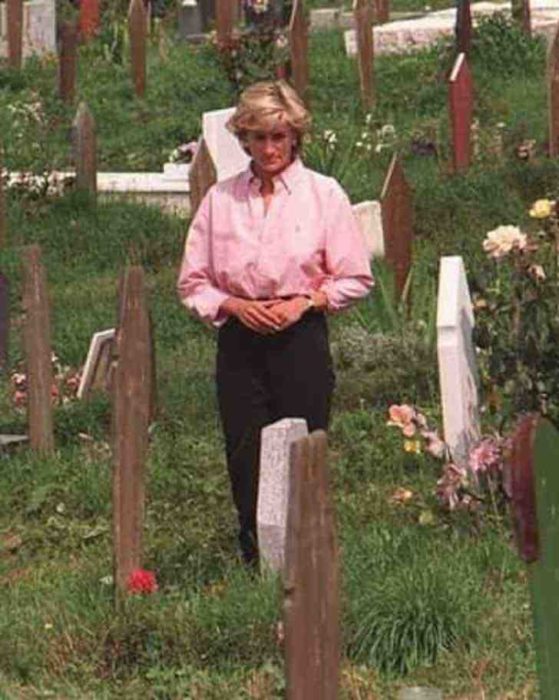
(369, 217)
(39, 28)
(273, 488)
(458, 374)
(225, 150)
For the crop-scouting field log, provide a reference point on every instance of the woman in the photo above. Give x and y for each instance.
(270, 251)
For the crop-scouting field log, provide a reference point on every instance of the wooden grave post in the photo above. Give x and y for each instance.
(460, 103)
(397, 222)
(14, 17)
(299, 48)
(363, 12)
(132, 407)
(534, 484)
(67, 62)
(137, 19)
(463, 27)
(521, 15)
(382, 11)
(226, 13)
(553, 94)
(85, 150)
(4, 320)
(37, 351)
(202, 176)
(90, 19)
(311, 584)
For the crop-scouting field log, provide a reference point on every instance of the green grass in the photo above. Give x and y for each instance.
(428, 598)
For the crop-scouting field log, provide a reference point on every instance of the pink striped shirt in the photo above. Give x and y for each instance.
(308, 240)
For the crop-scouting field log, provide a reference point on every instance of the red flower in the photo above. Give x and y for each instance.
(141, 581)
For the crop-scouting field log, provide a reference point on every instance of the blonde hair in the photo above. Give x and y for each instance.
(264, 104)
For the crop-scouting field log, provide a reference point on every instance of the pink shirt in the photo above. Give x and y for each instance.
(308, 240)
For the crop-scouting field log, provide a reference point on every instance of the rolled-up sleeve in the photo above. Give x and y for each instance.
(196, 287)
(347, 261)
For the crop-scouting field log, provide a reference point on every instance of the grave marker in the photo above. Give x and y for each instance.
(460, 101)
(553, 94)
(137, 31)
(311, 584)
(67, 65)
(132, 407)
(369, 218)
(299, 48)
(397, 222)
(90, 19)
(225, 15)
(458, 374)
(98, 364)
(382, 11)
(37, 351)
(463, 27)
(224, 148)
(14, 17)
(201, 177)
(85, 150)
(521, 15)
(363, 13)
(273, 488)
(190, 19)
(4, 320)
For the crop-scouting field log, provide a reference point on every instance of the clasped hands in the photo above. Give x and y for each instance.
(266, 317)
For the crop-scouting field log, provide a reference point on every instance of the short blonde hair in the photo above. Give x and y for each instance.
(264, 104)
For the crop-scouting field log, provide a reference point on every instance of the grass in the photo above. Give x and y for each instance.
(428, 598)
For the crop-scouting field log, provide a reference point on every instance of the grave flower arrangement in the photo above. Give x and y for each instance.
(66, 381)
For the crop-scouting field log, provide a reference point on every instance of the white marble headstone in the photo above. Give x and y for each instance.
(369, 218)
(225, 150)
(39, 28)
(273, 488)
(458, 374)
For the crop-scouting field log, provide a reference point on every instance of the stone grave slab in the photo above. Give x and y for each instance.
(190, 20)
(369, 218)
(223, 147)
(458, 373)
(97, 365)
(460, 103)
(273, 488)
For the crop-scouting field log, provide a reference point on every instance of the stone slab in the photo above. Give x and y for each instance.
(369, 217)
(39, 28)
(225, 150)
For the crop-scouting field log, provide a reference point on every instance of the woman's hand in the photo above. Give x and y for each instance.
(259, 316)
(289, 311)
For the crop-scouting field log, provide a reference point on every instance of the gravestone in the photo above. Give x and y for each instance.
(223, 147)
(97, 369)
(521, 14)
(37, 351)
(311, 578)
(397, 222)
(226, 13)
(382, 11)
(460, 101)
(275, 445)
(553, 94)
(90, 19)
(38, 27)
(137, 30)
(365, 50)
(14, 16)
(299, 48)
(67, 64)
(369, 218)
(463, 27)
(132, 408)
(201, 177)
(207, 10)
(4, 320)
(458, 373)
(190, 19)
(85, 150)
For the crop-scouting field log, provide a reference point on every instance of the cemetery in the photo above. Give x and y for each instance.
(409, 552)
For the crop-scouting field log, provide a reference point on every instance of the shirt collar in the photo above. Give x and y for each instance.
(287, 178)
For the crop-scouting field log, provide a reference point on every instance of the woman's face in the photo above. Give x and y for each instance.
(271, 149)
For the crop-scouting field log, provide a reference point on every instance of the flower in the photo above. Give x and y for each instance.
(400, 415)
(450, 484)
(542, 209)
(401, 495)
(434, 445)
(141, 581)
(485, 456)
(330, 137)
(258, 6)
(537, 272)
(413, 446)
(503, 240)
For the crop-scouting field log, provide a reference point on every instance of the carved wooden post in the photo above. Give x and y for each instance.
(363, 12)
(90, 19)
(37, 351)
(67, 65)
(463, 27)
(311, 603)
(14, 17)
(137, 31)
(226, 12)
(460, 100)
(202, 176)
(553, 95)
(4, 321)
(132, 406)
(299, 48)
(382, 11)
(85, 150)
(397, 222)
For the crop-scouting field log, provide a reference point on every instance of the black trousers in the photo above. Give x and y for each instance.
(261, 379)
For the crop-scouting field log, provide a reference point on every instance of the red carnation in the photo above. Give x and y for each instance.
(141, 581)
